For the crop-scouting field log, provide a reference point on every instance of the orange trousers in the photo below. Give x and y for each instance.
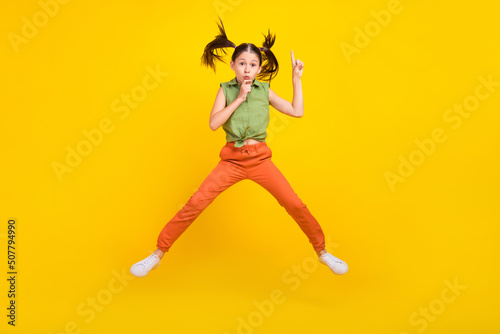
(239, 163)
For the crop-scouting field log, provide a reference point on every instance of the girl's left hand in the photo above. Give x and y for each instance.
(297, 67)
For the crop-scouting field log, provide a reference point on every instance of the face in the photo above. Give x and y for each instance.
(246, 66)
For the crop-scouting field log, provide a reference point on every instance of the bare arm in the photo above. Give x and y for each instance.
(220, 113)
(298, 98)
(296, 108)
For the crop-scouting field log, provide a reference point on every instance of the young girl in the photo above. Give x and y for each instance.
(242, 109)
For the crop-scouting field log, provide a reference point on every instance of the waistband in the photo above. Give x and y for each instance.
(247, 147)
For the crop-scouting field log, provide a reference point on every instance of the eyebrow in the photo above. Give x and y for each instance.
(253, 61)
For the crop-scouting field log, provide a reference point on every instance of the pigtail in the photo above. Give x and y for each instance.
(270, 65)
(218, 44)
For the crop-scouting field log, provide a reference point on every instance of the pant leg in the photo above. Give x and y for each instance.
(220, 178)
(270, 177)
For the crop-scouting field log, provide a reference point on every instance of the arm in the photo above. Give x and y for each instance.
(296, 108)
(220, 114)
(298, 99)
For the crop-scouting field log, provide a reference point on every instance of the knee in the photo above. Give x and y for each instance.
(294, 204)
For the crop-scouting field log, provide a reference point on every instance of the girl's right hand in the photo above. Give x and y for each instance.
(245, 89)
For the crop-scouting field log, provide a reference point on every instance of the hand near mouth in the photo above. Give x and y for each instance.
(245, 89)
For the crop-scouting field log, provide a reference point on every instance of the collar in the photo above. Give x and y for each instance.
(254, 83)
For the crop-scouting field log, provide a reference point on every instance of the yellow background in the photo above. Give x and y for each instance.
(244, 266)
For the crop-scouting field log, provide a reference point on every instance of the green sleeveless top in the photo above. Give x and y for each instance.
(251, 117)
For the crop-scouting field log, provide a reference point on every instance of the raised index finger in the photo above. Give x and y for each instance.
(293, 59)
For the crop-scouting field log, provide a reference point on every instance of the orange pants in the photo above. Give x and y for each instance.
(239, 163)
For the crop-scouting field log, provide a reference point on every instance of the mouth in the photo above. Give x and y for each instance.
(246, 77)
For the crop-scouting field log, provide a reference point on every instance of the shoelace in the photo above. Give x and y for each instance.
(150, 259)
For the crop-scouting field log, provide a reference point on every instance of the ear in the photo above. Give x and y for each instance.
(232, 65)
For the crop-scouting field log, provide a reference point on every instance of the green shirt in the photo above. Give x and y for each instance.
(251, 117)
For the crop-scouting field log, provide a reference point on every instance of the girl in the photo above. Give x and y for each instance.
(242, 109)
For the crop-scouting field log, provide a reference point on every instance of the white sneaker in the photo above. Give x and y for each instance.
(335, 264)
(142, 268)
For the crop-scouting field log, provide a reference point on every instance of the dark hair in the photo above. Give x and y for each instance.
(270, 67)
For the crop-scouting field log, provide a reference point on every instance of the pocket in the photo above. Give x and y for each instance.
(223, 152)
(265, 152)
(269, 152)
